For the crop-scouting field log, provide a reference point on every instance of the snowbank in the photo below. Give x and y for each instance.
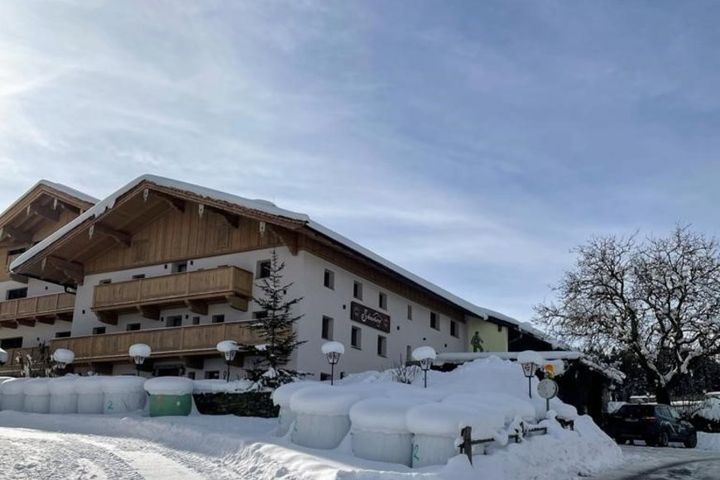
(708, 441)
(447, 419)
(169, 386)
(530, 356)
(323, 401)
(122, 383)
(382, 414)
(221, 386)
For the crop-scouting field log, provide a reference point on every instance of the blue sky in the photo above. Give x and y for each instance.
(473, 143)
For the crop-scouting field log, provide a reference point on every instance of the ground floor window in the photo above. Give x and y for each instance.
(327, 328)
(131, 327)
(356, 337)
(62, 334)
(212, 375)
(218, 318)
(382, 346)
(453, 328)
(15, 342)
(98, 330)
(173, 321)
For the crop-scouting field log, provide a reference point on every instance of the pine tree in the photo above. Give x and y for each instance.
(274, 325)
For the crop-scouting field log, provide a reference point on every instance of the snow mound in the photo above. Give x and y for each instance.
(447, 419)
(13, 386)
(530, 356)
(89, 385)
(281, 396)
(62, 385)
(325, 401)
(37, 386)
(221, 386)
(122, 384)
(382, 414)
(333, 347)
(169, 386)
(424, 353)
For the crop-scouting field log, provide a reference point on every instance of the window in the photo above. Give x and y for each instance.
(173, 321)
(212, 375)
(382, 346)
(196, 320)
(260, 314)
(327, 328)
(15, 342)
(434, 321)
(218, 318)
(191, 375)
(139, 276)
(62, 334)
(329, 279)
(324, 376)
(408, 353)
(356, 337)
(16, 293)
(131, 327)
(98, 330)
(105, 281)
(409, 312)
(357, 290)
(382, 301)
(263, 269)
(179, 267)
(453, 328)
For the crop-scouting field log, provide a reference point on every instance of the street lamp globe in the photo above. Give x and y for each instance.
(229, 349)
(63, 357)
(425, 356)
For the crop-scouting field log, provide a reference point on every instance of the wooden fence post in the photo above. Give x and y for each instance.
(466, 446)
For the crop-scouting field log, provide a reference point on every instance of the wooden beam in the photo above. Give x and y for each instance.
(176, 203)
(65, 317)
(197, 306)
(149, 311)
(59, 204)
(42, 211)
(238, 303)
(109, 318)
(9, 324)
(72, 270)
(15, 234)
(122, 238)
(231, 218)
(28, 322)
(47, 319)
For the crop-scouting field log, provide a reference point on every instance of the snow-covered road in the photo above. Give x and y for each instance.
(650, 463)
(48, 455)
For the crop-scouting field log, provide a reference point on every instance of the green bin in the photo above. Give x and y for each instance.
(170, 405)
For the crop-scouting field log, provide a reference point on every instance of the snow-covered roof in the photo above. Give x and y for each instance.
(71, 192)
(269, 208)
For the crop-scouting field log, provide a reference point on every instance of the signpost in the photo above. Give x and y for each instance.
(547, 389)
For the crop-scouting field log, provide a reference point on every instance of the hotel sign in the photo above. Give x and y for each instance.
(367, 316)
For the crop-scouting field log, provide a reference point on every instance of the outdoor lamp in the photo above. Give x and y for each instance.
(63, 357)
(426, 356)
(139, 352)
(530, 362)
(3, 357)
(229, 349)
(333, 351)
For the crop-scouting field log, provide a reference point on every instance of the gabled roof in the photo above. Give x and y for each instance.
(263, 207)
(75, 197)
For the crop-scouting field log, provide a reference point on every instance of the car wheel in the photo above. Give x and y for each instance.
(663, 439)
(691, 442)
(650, 442)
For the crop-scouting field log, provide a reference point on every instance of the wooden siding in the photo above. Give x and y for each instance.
(40, 306)
(184, 235)
(165, 342)
(177, 287)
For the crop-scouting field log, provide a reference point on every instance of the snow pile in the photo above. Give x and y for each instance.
(64, 356)
(122, 394)
(37, 395)
(710, 409)
(321, 416)
(63, 396)
(140, 350)
(424, 353)
(333, 347)
(90, 394)
(12, 395)
(221, 386)
(708, 441)
(529, 356)
(169, 386)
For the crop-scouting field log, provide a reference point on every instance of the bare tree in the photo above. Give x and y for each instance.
(659, 299)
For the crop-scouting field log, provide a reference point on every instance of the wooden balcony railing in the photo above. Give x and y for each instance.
(44, 308)
(195, 289)
(165, 342)
(16, 357)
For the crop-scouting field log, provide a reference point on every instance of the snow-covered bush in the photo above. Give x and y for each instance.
(12, 394)
(322, 416)
(281, 397)
(122, 394)
(90, 394)
(37, 395)
(63, 395)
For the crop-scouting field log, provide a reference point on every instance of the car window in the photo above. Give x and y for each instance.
(662, 411)
(636, 411)
(673, 413)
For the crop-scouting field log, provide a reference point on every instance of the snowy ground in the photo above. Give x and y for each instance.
(672, 463)
(112, 447)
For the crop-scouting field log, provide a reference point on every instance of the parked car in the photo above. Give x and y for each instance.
(656, 424)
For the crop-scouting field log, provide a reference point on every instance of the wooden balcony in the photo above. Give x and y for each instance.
(165, 342)
(43, 308)
(194, 289)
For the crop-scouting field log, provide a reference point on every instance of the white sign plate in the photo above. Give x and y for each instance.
(547, 388)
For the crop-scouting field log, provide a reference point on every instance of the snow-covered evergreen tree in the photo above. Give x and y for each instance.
(274, 325)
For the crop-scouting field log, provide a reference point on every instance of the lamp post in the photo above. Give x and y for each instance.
(63, 357)
(229, 349)
(530, 362)
(139, 352)
(3, 357)
(333, 351)
(426, 356)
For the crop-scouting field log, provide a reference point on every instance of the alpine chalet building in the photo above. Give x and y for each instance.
(174, 265)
